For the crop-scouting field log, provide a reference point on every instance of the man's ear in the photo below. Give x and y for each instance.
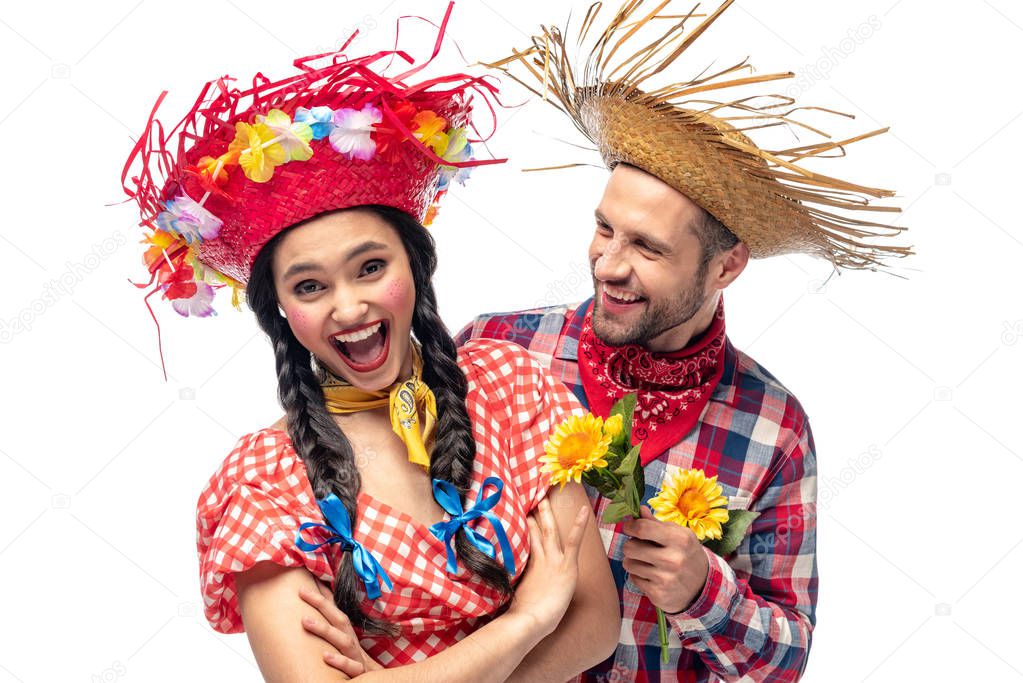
(728, 265)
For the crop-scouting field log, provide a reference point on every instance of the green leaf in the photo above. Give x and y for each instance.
(632, 497)
(639, 477)
(629, 463)
(615, 512)
(605, 482)
(733, 531)
(614, 456)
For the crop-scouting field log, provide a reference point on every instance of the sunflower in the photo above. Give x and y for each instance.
(576, 446)
(688, 498)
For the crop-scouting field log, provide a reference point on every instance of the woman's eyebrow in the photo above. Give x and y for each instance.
(306, 266)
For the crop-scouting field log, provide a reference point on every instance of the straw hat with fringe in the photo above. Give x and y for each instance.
(698, 146)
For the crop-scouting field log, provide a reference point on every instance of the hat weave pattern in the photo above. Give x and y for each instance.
(768, 198)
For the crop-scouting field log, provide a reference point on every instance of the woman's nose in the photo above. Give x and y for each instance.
(349, 308)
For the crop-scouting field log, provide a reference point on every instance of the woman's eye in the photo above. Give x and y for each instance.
(304, 287)
(373, 267)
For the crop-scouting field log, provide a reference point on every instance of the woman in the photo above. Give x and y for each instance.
(402, 476)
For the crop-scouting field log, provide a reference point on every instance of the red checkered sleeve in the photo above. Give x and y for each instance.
(249, 512)
(528, 402)
(754, 619)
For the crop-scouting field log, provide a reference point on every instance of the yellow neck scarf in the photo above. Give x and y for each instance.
(410, 402)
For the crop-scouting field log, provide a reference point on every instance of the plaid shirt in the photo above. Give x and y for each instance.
(754, 619)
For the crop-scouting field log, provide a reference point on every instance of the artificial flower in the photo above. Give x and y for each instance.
(293, 137)
(388, 135)
(430, 131)
(319, 119)
(210, 175)
(577, 445)
(613, 425)
(688, 498)
(457, 147)
(458, 150)
(352, 132)
(190, 220)
(257, 155)
(431, 213)
(162, 242)
(178, 282)
(199, 304)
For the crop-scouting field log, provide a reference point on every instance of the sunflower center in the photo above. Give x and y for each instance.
(575, 448)
(692, 504)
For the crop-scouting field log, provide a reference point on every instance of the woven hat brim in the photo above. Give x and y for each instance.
(767, 198)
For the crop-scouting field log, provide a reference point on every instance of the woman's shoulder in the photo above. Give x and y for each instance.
(264, 458)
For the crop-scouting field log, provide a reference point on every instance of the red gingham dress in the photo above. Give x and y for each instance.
(253, 505)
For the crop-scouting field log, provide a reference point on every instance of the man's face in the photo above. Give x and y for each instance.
(645, 261)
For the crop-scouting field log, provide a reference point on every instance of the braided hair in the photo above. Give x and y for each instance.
(323, 446)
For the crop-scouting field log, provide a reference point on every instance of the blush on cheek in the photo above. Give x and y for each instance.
(298, 322)
(398, 293)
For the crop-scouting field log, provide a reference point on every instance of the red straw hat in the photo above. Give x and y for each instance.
(246, 164)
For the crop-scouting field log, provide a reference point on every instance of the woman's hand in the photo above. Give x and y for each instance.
(337, 631)
(548, 584)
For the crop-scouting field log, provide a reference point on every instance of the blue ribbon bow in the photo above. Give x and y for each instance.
(339, 524)
(447, 495)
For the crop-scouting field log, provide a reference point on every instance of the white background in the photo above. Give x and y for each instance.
(910, 384)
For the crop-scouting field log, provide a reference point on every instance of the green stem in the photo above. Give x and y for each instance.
(662, 632)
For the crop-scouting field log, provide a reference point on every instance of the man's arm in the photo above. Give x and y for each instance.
(465, 334)
(759, 628)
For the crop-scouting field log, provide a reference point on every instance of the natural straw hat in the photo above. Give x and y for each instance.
(766, 198)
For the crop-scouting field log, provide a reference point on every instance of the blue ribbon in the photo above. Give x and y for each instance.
(339, 524)
(447, 496)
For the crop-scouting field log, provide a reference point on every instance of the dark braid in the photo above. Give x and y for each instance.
(324, 448)
(455, 449)
(318, 440)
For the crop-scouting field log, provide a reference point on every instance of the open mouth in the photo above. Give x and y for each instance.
(620, 301)
(364, 349)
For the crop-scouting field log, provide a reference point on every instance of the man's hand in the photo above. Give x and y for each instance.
(665, 561)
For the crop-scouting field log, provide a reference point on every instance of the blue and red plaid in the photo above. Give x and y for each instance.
(754, 619)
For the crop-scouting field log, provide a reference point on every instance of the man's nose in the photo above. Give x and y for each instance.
(611, 266)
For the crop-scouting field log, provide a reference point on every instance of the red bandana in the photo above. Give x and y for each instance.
(672, 388)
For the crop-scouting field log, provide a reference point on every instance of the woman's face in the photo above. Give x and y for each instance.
(345, 284)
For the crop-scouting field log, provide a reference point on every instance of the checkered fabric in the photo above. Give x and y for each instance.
(253, 505)
(755, 617)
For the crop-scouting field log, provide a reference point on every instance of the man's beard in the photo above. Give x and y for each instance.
(658, 318)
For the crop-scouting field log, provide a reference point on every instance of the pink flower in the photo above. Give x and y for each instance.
(352, 129)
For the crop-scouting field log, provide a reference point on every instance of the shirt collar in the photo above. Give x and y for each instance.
(568, 345)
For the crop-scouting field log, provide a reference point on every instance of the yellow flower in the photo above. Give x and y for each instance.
(576, 446)
(430, 131)
(688, 498)
(293, 137)
(613, 426)
(257, 158)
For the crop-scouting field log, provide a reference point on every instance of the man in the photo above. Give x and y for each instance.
(689, 200)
